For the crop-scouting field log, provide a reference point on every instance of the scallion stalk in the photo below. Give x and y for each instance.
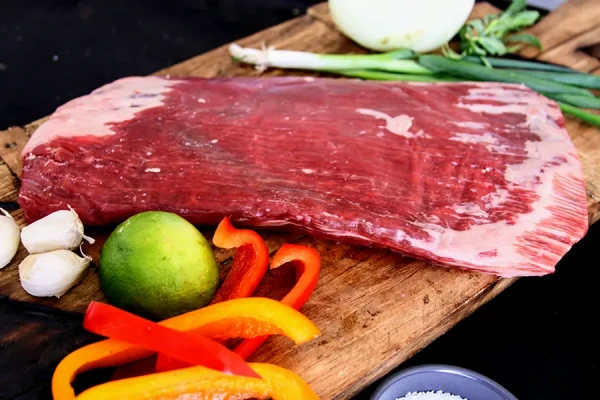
(390, 76)
(590, 118)
(574, 100)
(476, 72)
(265, 58)
(579, 79)
(518, 64)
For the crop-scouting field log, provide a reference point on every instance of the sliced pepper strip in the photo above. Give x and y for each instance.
(250, 261)
(106, 320)
(238, 318)
(308, 265)
(202, 383)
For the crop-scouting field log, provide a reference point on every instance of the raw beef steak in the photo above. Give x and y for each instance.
(480, 176)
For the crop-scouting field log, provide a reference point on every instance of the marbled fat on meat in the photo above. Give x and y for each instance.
(480, 176)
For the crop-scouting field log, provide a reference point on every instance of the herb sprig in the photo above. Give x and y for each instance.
(493, 35)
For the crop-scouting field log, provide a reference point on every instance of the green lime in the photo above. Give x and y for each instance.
(158, 265)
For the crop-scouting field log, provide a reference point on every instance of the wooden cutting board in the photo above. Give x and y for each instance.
(375, 308)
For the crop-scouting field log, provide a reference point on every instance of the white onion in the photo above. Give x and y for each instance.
(384, 25)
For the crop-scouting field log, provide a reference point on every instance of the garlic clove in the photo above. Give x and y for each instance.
(9, 238)
(52, 273)
(60, 230)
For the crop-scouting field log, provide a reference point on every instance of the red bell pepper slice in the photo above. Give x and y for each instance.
(308, 265)
(106, 320)
(250, 261)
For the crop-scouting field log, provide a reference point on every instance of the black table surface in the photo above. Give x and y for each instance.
(536, 338)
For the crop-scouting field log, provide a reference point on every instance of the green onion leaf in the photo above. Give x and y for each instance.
(579, 79)
(477, 72)
(575, 100)
(590, 118)
(522, 64)
(390, 76)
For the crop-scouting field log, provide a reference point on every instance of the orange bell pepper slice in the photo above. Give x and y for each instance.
(308, 265)
(250, 261)
(244, 317)
(205, 384)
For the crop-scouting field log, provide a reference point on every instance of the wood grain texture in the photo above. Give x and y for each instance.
(12, 142)
(570, 51)
(9, 184)
(32, 340)
(571, 20)
(375, 308)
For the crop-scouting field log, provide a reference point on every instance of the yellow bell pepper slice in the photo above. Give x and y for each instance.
(200, 383)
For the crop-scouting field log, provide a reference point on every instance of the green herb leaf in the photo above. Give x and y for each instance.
(515, 7)
(521, 20)
(485, 62)
(492, 45)
(525, 38)
(489, 17)
(514, 48)
(448, 52)
(477, 24)
(488, 35)
(476, 50)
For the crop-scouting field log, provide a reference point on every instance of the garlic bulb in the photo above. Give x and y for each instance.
(9, 238)
(60, 230)
(53, 273)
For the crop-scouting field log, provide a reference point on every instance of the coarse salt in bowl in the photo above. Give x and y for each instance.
(431, 395)
(440, 382)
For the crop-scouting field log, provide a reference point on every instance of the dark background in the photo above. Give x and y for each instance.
(536, 338)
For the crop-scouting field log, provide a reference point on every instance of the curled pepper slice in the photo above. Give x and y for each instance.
(308, 265)
(106, 320)
(244, 317)
(202, 383)
(250, 261)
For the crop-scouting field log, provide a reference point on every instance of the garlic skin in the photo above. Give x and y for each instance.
(9, 238)
(61, 230)
(52, 273)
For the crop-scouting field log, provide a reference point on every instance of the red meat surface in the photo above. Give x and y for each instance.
(479, 176)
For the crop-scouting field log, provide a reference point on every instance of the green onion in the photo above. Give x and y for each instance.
(580, 79)
(476, 72)
(509, 63)
(588, 117)
(400, 54)
(575, 100)
(326, 62)
(390, 76)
